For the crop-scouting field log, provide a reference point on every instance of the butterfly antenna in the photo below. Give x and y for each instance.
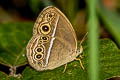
(83, 38)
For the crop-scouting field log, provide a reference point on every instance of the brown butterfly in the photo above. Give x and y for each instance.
(53, 43)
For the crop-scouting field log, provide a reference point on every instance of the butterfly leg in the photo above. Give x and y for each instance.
(81, 64)
(64, 68)
(81, 56)
(79, 51)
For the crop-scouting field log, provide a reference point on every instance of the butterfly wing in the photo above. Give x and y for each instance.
(65, 43)
(54, 41)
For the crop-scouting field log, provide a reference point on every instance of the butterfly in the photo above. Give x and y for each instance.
(54, 41)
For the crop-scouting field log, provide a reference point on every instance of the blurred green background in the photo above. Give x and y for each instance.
(28, 10)
(76, 11)
(100, 18)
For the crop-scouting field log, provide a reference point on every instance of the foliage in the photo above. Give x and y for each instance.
(14, 38)
(101, 56)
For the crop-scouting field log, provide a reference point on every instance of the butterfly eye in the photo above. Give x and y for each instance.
(43, 39)
(39, 49)
(39, 56)
(50, 16)
(45, 29)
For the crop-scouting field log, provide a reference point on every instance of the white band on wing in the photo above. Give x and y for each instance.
(51, 42)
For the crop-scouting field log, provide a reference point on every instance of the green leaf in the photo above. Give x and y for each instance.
(73, 72)
(3, 76)
(109, 66)
(13, 41)
(109, 59)
(14, 38)
(13, 78)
